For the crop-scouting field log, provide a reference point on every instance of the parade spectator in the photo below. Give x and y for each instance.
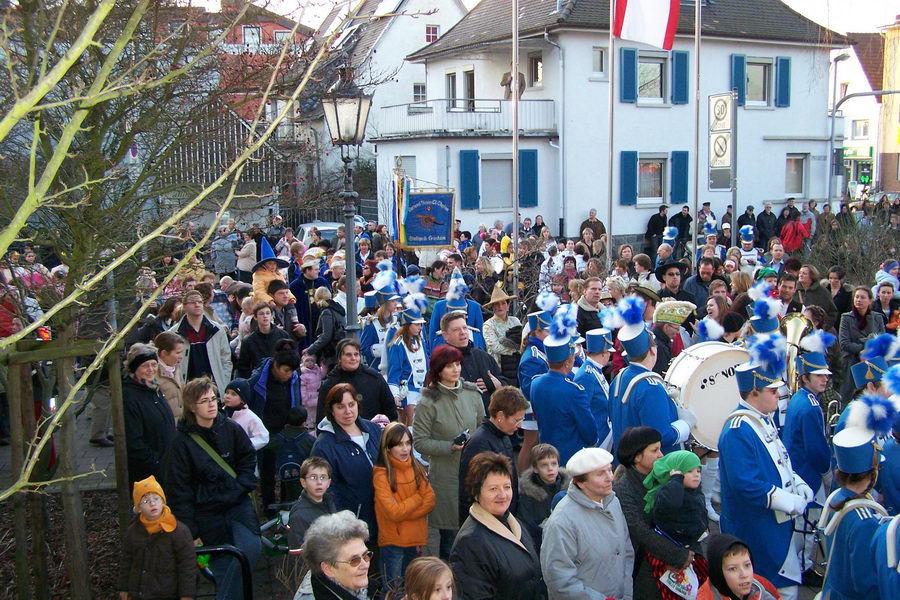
(374, 394)
(477, 365)
(224, 257)
(164, 319)
(209, 477)
(260, 343)
(493, 556)
(237, 395)
(286, 314)
(330, 328)
(787, 290)
(170, 349)
(246, 258)
(429, 578)
(731, 573)
(337, 556)
(594, 224)
(149, 423)
(589, 306)
(208, 351)
(811, 293)
(682, 220)
(675, 501)
(889, 273)
(449, 410)
(655, 227)
(538, 487)
(573, 565)
(887, 306)
(350, 445)
(857, 325)
(275, 231)
(698, 285)
(495, 328)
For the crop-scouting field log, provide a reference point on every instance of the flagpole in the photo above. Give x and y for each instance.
(698, 21)
(609, 143)
(514, 86)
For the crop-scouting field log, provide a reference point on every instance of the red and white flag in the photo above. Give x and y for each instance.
(650, 22)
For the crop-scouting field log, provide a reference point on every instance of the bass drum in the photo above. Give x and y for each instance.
(704, 381)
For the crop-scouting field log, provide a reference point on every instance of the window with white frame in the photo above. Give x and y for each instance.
(651, 178)
(432, 32)
(469, 88)
(535, 70)
(652, 78)
(759, 82)
(419, 93)
(598, 61)
(795, 179)
(450, 88)
(860, 129)
(282, 36)
(496, 181)
(252, 35)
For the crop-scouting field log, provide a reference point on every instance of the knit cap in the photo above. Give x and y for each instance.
(144, 487)
(888, 265)
(680, 460)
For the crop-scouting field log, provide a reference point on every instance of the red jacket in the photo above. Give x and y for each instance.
(792, 235)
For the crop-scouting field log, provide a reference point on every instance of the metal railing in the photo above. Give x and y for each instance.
(465, 115)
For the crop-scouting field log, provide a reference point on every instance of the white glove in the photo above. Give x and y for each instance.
(688, 416)
(786, 502)
(799, 505)
(803, 490)
(683, 430)
(377, 350)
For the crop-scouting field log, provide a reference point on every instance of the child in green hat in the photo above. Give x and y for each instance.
(675, 500)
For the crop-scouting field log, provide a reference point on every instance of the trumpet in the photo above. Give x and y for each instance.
(794, 327)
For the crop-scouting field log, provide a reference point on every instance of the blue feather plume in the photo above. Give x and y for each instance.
(878, 346)
(457, 288)
(564, 325)
(632, 310)
(710, 227)
(768, 350)
(416, 301)
(670, 233)
(385, 277)
(759, 291)
(414, 285)
(766, 308)
(872, 412)
(708, 329)
(891, 380)
(746, 231)
(547, 301)
(818, 341)
(611, 318)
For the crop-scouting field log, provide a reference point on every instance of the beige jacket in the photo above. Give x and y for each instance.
(170, 386)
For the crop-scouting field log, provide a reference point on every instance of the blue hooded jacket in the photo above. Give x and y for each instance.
(258, 383)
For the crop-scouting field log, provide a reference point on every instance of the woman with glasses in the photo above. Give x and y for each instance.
(336, 553)
(209, 479)
(149, 422)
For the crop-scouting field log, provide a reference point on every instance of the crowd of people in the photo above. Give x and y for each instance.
(532, 428)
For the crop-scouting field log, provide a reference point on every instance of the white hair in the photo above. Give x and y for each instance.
(328, 534)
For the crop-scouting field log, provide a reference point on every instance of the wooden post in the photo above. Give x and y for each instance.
(17, 461)
(114, 367)
(73, 510)
(35, 501)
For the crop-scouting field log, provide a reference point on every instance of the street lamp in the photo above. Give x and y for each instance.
(834, 101)
(346, 110)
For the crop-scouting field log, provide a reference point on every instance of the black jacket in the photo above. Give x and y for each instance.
(683, 223)
(326, 589)
(257, 346)
(765, 228)
(663, 350)
(200, 493)
(330, 329)
(535, 498)
(486, 438)
(149, 428)
(475, 365)
(162, 565)
(368, 383)
(303, 513)
(681, 513)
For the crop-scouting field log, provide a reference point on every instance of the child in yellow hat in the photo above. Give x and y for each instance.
(158, 559)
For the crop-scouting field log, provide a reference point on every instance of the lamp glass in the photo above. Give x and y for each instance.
(346, 116)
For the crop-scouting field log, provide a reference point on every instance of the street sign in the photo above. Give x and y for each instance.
(720, 112)
(719, 150)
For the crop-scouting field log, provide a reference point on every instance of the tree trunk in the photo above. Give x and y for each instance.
(36, 506)
(17, 460)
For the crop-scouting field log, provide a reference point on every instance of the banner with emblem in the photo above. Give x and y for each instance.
(426, 219)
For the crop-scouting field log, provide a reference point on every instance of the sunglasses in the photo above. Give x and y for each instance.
(355, 560)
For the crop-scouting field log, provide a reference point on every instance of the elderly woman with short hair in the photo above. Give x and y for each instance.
(335, 550)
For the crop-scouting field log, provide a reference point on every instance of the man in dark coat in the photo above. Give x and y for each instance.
(682, 220)
(478, 366)
(374, 395)
(765, 226)
(670, 276)
(655, 227)
(259, 344)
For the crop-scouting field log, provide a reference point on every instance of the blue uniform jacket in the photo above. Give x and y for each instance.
(804, 437)
(850, 572)
(649, 405)
(369, 337)
(587, 377)
(888, 575)
(563, 411)
(474, 318)
(889, 477)
(748, 478)
(532, 363)
(399, 369)
(351, 477)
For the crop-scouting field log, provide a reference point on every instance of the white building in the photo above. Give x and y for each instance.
(460, 137)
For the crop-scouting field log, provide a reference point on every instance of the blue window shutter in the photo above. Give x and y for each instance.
(469, 196)
(628, 177)
(679, 177)
(528, 178)
(739, 76)
(783, 81)
(680, 76)
(628, 89)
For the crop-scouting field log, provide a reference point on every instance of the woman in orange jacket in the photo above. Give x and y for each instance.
(403, 499)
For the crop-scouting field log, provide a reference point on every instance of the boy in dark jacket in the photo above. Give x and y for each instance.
(537, 487)
(157, 550)
(314, 500)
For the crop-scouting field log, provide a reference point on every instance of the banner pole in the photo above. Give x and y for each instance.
(610, 112)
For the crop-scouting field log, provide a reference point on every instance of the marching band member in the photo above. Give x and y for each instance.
(562, 407)
(712, 239)
(886, 545)
(598, 344)
(889, 475)
(850, 518)
(760, 491)
(456, 301)
(638, 394)
(804, 433)
(749, 254)
(408, 357)
(767, 312)
(375, 331)
(532, 364)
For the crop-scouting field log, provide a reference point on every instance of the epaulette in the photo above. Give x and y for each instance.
(735, 422)
(812, 399)
(578, 385)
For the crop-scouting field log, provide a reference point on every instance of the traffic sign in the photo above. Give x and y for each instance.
(719, 150)
(720, 106)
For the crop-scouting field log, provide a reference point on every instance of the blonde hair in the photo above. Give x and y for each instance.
(576, 290)
(322, 296)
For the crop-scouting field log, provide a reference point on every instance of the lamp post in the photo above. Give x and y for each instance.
(840, 57)
(346, 110)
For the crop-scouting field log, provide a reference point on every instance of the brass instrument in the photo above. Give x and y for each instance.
(794, 327)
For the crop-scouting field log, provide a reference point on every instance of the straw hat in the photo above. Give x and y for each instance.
(498, 294)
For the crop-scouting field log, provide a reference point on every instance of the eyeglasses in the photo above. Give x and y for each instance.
(207, 401)
(317, 477)
(355, 560)
(151, 500)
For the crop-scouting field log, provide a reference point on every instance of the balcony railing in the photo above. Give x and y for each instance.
(466, 116)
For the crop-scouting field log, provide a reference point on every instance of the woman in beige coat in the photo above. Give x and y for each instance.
(170, 347)
(448, 408)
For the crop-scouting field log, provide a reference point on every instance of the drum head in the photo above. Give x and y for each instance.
(705, 377)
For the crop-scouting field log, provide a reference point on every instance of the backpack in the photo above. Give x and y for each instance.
(291, 453)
